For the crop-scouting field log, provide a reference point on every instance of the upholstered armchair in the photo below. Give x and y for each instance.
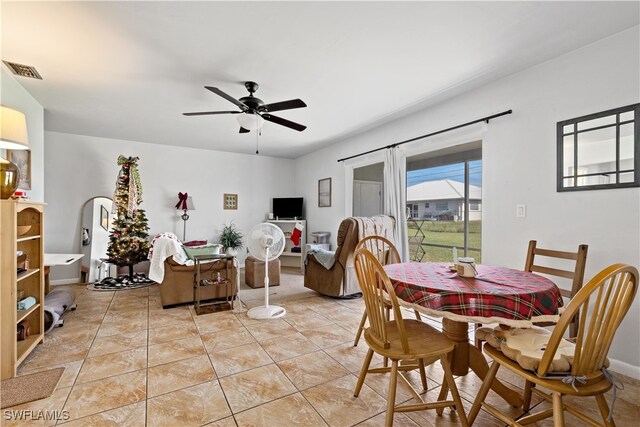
(340, 280)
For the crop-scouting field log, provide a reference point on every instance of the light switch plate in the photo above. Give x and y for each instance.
(521, 211)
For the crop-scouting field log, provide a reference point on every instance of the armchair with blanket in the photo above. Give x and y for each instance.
(335, 276)
(175, 272)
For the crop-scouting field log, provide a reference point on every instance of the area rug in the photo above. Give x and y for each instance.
(27, 388)
(139, 280)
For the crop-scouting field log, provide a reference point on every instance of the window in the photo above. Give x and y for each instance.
(600, 151)
(474, 206)
(447, 183)
(442, 206)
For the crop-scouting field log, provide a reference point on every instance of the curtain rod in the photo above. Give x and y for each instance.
(484, 119)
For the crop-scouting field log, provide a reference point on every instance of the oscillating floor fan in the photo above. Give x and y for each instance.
(266, 242)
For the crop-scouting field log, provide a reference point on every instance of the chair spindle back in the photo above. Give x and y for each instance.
(381, 248)
(614, 289)
(376, 288)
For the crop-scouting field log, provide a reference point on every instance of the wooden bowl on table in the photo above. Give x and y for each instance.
(23, 229)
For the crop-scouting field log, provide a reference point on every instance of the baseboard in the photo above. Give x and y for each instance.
(624, 368)
(68, 281)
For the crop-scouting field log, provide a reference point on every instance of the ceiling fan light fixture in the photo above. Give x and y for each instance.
(250, 121)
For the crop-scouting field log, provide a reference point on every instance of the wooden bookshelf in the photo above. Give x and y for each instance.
(14, 213)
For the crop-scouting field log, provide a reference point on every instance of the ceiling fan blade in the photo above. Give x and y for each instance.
(284, 122)
(243, 130)
(206, 113)
(284, 105)
(227, 97)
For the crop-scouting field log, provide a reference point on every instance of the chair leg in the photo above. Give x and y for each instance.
(484, 390)
(454, 390)
(363, 372)
(423, 374)
(444, 390)
(526, 398)
(558, 410)
(604, 410)
(360, 328)
(391, 397)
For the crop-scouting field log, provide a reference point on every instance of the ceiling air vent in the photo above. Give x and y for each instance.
(23, 70)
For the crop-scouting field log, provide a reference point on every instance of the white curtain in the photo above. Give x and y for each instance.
(395, 195)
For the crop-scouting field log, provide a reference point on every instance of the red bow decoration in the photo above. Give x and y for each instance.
(182, 200)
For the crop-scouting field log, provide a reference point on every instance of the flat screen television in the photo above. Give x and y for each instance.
(287, 207)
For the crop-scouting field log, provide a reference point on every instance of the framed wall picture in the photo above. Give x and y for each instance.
(324, 193)
(230, 201)
(22, 159)
(104, 217)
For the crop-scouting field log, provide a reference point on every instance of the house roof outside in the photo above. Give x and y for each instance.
(443, 189)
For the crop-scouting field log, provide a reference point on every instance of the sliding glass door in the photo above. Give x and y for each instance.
(444, 203)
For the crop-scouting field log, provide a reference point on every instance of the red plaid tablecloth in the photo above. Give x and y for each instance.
(496, 292)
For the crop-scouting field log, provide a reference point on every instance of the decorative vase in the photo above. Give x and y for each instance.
(8, 179)
(231, 251)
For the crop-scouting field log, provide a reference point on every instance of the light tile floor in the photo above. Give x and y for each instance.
(130, 363)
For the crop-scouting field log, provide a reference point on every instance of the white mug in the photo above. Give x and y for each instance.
(466, 267)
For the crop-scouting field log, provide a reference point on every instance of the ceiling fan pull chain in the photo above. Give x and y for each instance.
(258, 132)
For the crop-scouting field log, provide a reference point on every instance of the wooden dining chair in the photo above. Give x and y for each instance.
(400, 339)
(577, 275)
(611, 292)
(386, 253)
(533, 265)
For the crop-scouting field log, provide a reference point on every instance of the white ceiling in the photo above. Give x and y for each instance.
(127, 70)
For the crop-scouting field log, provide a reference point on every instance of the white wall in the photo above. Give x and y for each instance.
(519, 166)
(13, 95)
(80, 167)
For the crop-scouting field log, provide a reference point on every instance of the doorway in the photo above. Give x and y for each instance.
(367, 190)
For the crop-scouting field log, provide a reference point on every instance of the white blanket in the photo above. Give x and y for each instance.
(164, 246)
(380, 225)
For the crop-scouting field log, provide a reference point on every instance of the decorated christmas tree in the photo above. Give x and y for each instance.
(129, 238)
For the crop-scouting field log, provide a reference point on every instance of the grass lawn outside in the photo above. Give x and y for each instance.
(446, 233)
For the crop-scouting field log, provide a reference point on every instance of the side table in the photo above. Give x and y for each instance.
(199, 282)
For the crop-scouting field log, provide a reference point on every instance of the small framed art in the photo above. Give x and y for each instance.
(324, 193)
(22, 159)
(230, 201)
(104, 218)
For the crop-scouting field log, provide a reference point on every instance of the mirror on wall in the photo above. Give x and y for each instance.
(96, 221)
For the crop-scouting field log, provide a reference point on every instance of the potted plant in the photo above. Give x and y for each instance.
(231, 239)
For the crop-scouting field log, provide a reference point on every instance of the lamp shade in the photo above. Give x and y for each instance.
(13, 130)
(250, 121)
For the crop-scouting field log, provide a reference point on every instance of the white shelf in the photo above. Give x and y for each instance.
(288, 258)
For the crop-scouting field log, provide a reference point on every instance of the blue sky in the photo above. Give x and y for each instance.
(454, 172)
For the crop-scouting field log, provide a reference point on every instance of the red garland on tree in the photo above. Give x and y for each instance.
(129, 239)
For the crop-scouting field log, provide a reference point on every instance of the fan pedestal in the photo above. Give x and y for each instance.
(266, 312)
(263, 240)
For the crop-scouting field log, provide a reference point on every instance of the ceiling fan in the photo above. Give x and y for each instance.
(254, 111)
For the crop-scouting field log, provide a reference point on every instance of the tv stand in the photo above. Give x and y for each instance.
(289, 258)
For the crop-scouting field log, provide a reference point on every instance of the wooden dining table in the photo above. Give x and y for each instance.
(496, 295)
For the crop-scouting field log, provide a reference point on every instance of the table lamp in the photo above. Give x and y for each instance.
(13, 136)
(185, 202)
